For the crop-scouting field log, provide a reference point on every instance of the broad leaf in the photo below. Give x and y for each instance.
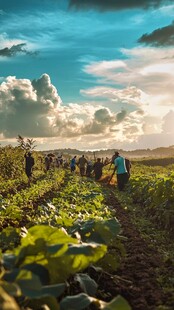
(87, 284)
(77, 302)
(49, 234)
(117, 303)
(54, 290)
(75, 259)
(38, 270)
(29, 283)
(98, 231)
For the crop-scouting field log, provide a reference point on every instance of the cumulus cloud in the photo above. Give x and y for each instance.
(168, 123)
(102, 122)
(45, 91)
(34, 108)
(121, 116)
(101, 68)
(23, 108)
(144, 70)
(111, 5)
(144, 87)
(159, 37)
(14, 50)
(151, 136)
(131, 96)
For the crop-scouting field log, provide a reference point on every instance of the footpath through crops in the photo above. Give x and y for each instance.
(68, 242)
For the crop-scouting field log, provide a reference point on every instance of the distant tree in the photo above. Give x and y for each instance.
(27, 145)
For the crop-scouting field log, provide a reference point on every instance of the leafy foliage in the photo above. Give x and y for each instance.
(155, 193)
(41, 265)
(52, 232)
(11, 162)
(27, 145)
(59, 228)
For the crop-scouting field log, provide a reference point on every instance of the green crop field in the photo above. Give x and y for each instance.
(68, 242)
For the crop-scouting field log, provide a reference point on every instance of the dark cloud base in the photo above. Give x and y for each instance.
(111, 5)
(159, 37)
(14, 50)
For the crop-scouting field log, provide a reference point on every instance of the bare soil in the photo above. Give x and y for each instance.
(137, 277)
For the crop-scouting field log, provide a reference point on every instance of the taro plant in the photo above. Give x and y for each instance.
(41, 269)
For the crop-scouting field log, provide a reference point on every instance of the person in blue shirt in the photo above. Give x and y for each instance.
(122, 173)
(73, 164)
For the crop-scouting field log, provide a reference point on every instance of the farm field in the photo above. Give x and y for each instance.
(68, 242)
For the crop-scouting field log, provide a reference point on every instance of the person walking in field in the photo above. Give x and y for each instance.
(122, 173)
(73, 164)
(82, 165)
(47, 163)
(29, 163)
(97, 167)
(59, 160)
(89, 168)
(112, 159)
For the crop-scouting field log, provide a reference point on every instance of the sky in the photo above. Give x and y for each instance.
(87, 74)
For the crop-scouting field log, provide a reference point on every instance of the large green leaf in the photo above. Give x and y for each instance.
(54, 290)
(29, 283)
(31, 286)
(87, 284)
(75, 259)
(10, 276)
(57, 249)
(59, 253)
(60, 260)
(77, 302)
(85, 253)
(49, 234)
(42, 241)
(38, 270)
(118, 303)
(98, 231)
(8, 260)
(108, 230)
(110, 262)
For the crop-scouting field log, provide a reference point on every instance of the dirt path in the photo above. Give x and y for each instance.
(138, 269)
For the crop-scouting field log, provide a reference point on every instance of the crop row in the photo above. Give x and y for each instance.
(155, 193)
(17, 210)
(48, 266)
(12, 186)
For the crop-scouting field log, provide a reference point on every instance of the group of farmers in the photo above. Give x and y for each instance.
(121, 165)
